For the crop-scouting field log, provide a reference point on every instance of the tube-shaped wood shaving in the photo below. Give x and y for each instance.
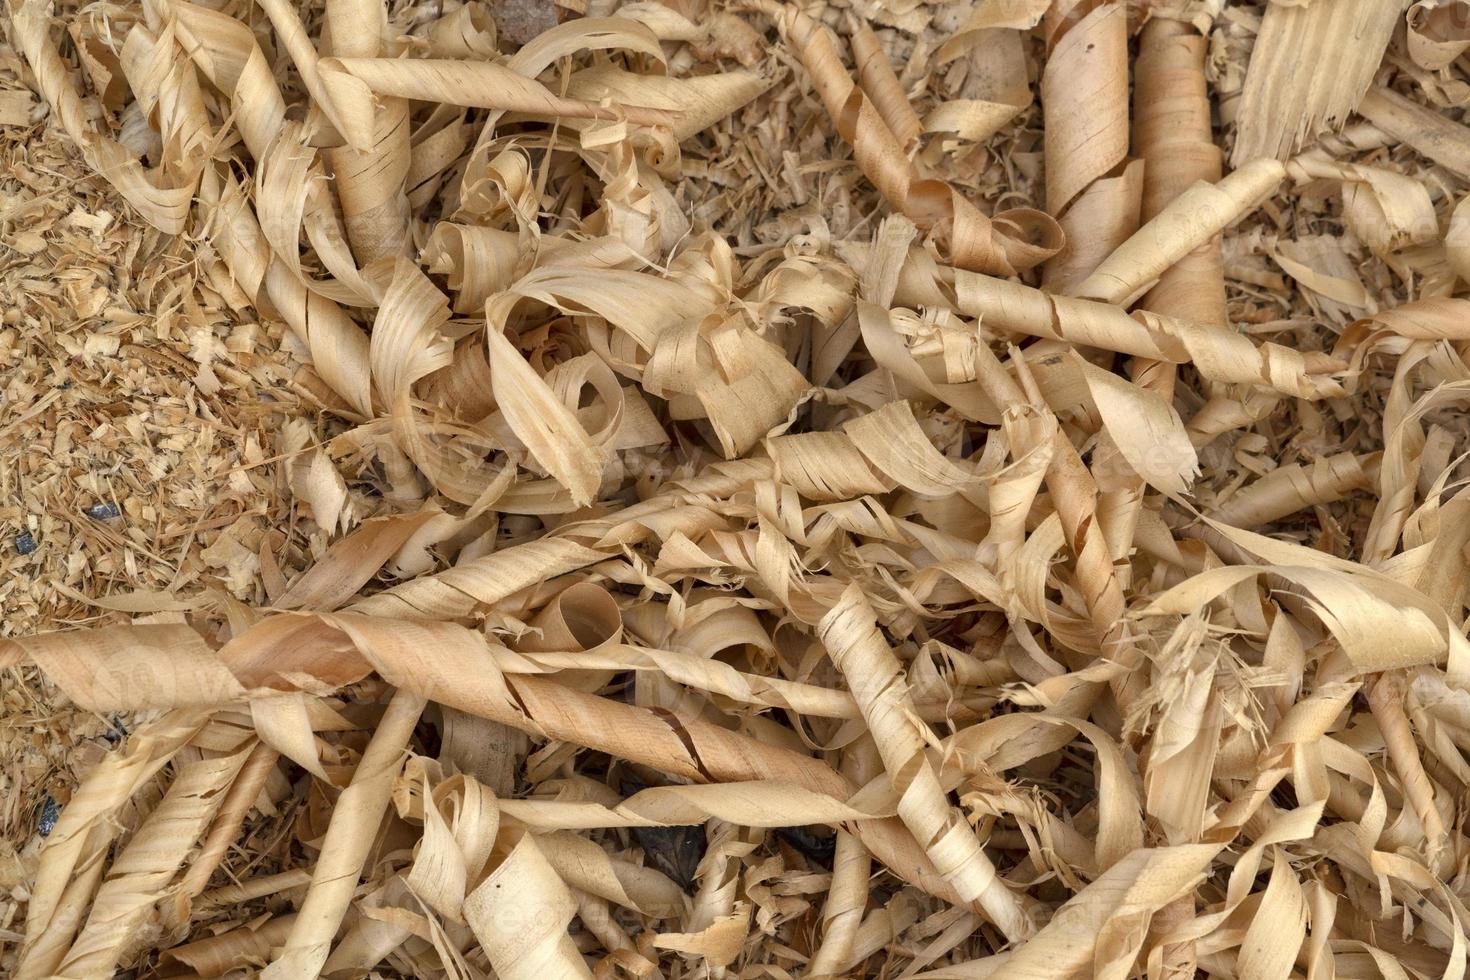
(876, 77)
(1294, 487)
(370, 184)
(520, 914)
(1218, 353)
(1172, 136)
(242, 794)
(1091, 188)
(1427, 131)
(1192, 219)
(842, 915)
(360, 809)
(852, 640)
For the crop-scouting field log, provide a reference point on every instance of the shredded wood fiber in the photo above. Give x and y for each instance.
(735, 490)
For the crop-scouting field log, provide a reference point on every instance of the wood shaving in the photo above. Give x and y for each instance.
(747, 490)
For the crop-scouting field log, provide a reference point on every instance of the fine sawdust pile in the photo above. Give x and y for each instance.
(735, 490)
